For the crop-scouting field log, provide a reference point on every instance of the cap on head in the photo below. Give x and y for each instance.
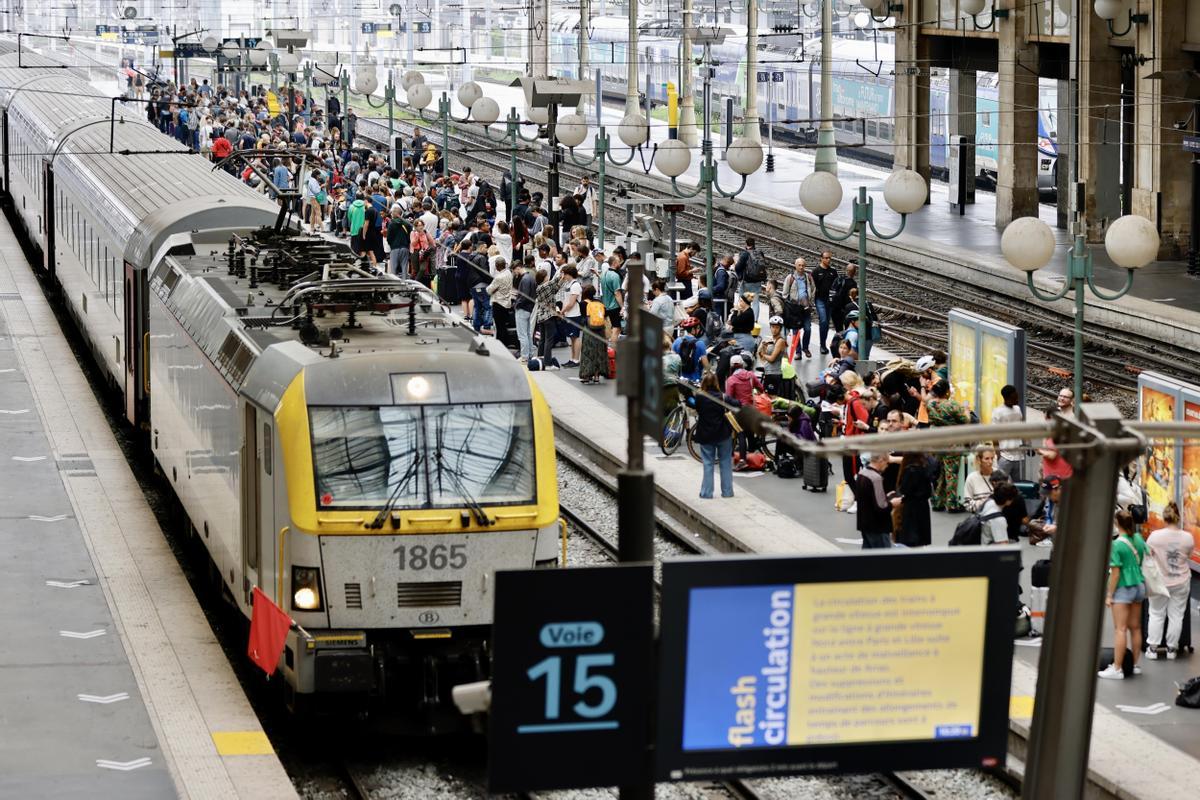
(775, 320)
(736, 361)
(924, 363)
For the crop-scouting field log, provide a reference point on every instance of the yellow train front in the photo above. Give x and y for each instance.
(361, 456)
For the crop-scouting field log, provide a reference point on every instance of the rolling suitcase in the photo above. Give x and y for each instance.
(1185, 635)
(1039, 574)
(1038, 597)
(814, 473)
(612, 364)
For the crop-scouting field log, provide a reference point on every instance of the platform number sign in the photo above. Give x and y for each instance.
(422, 27)
(776, 77)
(761, 77)
(571, 653)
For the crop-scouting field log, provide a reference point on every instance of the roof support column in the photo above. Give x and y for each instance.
(911, 131)
(1096, 162)
(1162, 171)
(962, 120)
(1016, 150)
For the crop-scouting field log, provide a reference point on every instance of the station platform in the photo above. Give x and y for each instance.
(111, 681)
(1164, 301)
(771, 515)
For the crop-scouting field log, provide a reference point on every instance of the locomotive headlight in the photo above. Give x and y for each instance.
(306, 588)
(418, 387)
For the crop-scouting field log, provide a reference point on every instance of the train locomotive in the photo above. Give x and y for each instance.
(337, 438)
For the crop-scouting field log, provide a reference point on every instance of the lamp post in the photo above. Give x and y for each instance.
(1028, 243)
(572, 133)
(479, 108)
(673, 157)
(365, 83)
(821, 194)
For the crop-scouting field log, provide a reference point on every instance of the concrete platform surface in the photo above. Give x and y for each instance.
(111, 681)
(771, 515)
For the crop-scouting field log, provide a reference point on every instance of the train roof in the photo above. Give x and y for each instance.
(238, 329)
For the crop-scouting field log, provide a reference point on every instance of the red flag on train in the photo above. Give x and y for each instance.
(268, 631)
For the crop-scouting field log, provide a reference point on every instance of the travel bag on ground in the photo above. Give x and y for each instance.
(814, 473)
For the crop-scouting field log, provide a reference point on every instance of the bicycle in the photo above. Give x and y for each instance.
(679, 422)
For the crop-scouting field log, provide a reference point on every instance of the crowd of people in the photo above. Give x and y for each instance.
(541, 288)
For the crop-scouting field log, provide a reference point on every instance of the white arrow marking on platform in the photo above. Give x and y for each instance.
(123, 766)
(66, 584)
(14, 411)
(6, 371)
(849, 541)
(1164, 300)
(1157, 708)
(40, 518)
(88, 635)
(28, 458)
(1029, 642)
(112, 698)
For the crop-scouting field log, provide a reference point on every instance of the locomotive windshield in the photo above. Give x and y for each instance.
(432, 456)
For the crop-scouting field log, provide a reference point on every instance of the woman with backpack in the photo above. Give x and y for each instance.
(593, 356)
(1171, 548)
(799, 290)
(1126, 592)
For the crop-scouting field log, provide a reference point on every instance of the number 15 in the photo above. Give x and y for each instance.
(551, 669)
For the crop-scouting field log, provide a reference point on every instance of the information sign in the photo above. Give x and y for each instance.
(191, 50)
(985, 354)
(1191, 144)
(844, 663)
(651, 383)
(776, 77)
(1171, 470)
(368, 27)
(571, 655)
(422, 27)
(762, 77)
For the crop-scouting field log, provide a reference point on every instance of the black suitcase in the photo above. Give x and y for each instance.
(814, 473)
(1039, 573)
(1185, 635)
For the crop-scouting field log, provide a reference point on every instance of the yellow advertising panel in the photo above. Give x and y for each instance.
(273, 106)
(962, 362)
(993, 374)
(1160, 469)
(1190, 480)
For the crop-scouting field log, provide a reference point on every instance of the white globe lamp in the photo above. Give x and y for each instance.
(1132, 241)
(419, 96)
(411, 79)
(1027, 244)
(571, 130)
(821, 193)
(538, 116)
(210, 44)
(1108, 9)
(366, 81)
(288, 62)
(971, 7)
(744, 155)
(632, 130)
(257, 56)
(231, 50)
(469, 94)
(485, 110)
(673, 158)
(873, 5)
(905, 191)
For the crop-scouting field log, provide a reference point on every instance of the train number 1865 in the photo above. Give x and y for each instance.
(418, 557)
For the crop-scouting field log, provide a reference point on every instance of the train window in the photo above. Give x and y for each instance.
(985, 118)
(872, 131)
(885, 131)
(436, 455)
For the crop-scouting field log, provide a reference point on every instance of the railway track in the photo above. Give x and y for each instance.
(907, 291)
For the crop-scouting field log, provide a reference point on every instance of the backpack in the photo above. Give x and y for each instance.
(731, 287)
(712, 326)
(756, 268)
(596, 314)
(970, 530)
(1189, 693)
(687, 353)
(836, 287)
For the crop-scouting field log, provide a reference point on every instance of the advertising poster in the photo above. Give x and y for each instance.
(994, 372)
(962, 362)
(834, 663)
(1159, 470)
(1190, 481)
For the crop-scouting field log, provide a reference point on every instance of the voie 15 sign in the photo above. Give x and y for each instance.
(845, 663)
(571, 660)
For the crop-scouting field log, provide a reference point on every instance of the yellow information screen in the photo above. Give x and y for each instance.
(836, 662)
(962, 362)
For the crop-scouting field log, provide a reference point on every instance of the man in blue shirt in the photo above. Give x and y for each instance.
(280, 176)
(693, 355)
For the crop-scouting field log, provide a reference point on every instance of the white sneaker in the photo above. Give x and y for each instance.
(1152, 654)
(1111, 673)
(1137, 669)
(1171, 653)
(1045, 543)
